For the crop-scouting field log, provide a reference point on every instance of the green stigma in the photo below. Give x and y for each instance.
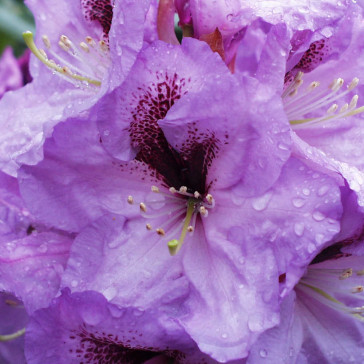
(175, 245)
(13, 336)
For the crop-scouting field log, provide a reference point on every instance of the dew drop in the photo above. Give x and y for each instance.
(110, 293)
(322, 190)
(318, 216)
(224, 335)
(42, 248)
(263, 353)
(261, 203)
(299, 227)
(298, 202)
(138, 311)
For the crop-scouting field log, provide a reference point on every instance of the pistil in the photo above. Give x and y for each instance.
(175, 245)
(65, 70)
(12, 336)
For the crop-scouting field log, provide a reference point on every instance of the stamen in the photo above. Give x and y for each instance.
(28, 38)
(320, 284)
(148, 226)
(46, 41)
(90, 41)
(143, 207)
(84, 47)
(203, 211)
(315, 97)
(346, 274)
(130, 200)
(210, 199)
(155, 189)
(160, 231)
(353, 83)
(333, 108)
(183, 189)
(358, 289)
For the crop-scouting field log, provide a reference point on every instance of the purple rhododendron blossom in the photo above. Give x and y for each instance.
(321, 91)
(233, 18)
(323, 317)
(193, 201)
(86, 53)
(199, 172)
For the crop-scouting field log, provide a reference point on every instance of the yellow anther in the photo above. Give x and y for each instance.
(143, 207)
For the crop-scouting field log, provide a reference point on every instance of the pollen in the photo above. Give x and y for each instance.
(143, 207)
(346, 273)
(358, 289)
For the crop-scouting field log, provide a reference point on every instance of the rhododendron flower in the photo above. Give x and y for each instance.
(223, 23)
(322, 320)
(80, 53)
(189, 177)
(319, 78)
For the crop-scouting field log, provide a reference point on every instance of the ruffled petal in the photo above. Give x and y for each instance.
(31, 268)
(84, 326)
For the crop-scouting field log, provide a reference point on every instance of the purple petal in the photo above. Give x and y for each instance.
(85, 326)
(31, 268)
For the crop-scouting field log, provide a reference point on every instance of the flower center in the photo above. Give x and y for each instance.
(179, 210)
(304, 106)
(339, 289)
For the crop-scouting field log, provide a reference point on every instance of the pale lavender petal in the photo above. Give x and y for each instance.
(78, 181)
(10, 74)
(282, 343)
(84, 326)
(31, 268)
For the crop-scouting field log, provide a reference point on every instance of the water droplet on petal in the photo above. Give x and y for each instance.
(261, 203)
(298, 202)
(322, 190)
(263, 353)
(110, 293)
(318, 216)
(299, 227)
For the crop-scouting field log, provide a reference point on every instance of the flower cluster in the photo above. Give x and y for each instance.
(184, 193)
